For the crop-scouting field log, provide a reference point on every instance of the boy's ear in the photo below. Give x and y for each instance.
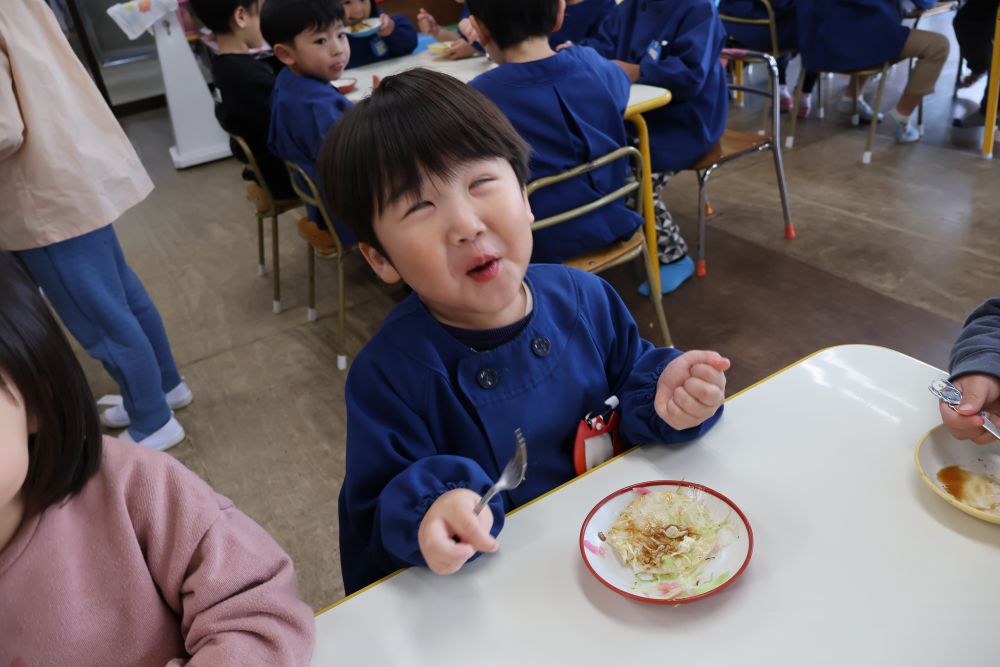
(481, 31)
(240, 17)
(284, 54)
(380, 263)
(560, 16)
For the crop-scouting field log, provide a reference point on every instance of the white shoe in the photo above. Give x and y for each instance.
(161, 440)
(117, 417)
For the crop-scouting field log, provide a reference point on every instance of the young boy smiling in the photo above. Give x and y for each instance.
(484, 345)
(310, 38)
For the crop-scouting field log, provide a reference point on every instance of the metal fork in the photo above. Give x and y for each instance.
(512, 475)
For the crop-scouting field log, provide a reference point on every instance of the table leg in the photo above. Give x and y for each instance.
(989, 131)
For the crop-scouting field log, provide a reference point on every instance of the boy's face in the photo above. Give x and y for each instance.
(462, 244)
(357, 10)
(320, 54)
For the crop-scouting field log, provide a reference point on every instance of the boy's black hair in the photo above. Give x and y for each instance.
(217, 14)
(282, 20)
(415, 124)
(36, 359)
(510, 22)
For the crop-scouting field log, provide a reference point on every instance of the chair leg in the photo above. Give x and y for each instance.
(701, 268)
(820, 111)
(790, 139)
(341, 316)
(867, 157)
(856, 116)
(779, 172)
(958, 76)
(657, 300)
(311, 263)
(275, 266)
(738, 80)
(261, 267)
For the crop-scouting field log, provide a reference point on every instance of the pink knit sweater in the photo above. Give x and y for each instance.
(148, 566)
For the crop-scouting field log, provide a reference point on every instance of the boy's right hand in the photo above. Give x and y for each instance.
(979, 392)
(450, 517)
(459, 49)
(426, 23)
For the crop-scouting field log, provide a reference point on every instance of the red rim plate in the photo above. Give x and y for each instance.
(650, 485)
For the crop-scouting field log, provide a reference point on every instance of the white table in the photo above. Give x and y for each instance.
(464, 70)
(856, 562)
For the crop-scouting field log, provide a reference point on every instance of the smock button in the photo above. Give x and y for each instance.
(487, 378)
(541, 346)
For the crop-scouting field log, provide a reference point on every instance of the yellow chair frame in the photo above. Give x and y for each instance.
(619, 252)
(269, 208)
(309, 194)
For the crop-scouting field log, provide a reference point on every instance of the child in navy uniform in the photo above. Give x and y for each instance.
(309, 37)
(243, 84)
(582, 19)
(397, 36)
(569, 107)
(674, 44)
(459, 47)
(484, 345)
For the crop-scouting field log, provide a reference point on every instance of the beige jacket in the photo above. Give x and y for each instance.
(66, 166)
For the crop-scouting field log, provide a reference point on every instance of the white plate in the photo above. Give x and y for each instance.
(371, 26)
(938, 450)
(718, 573)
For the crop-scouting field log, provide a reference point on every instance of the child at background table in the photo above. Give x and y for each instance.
(243, 84)
(758, 38)
(396, 37)
(848, 35)
(111, 553)
(581, 19)
(975, 23)
(674, 44)
(484, 345)
(569, 106)
(459, 47)
(310, 38)
(975, 369)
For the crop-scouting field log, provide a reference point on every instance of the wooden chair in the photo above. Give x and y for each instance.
(771, 23)
(325, 243)
(735, 144)
(618, 252)
(881, 72)
(266, 206)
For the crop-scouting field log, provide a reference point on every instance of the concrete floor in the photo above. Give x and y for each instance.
(894, 253)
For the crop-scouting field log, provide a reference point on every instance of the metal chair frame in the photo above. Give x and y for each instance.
(309, 194)
(275, 208)
(629, 187)
(769, 142)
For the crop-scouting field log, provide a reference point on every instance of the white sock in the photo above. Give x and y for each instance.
(900, 118)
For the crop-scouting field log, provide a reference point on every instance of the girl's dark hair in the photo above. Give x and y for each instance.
(216, 14)
(415, 124)
(510, 22)
(282, 20)
(36, 358)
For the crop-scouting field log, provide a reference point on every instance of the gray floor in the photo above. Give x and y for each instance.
(895, 253)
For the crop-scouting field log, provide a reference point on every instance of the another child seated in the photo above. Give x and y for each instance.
(569, 107)
(582, 19)
(243, 84)
(484, 345)
(310, 38)
(459, 46)
(396, 37)
(111, 553)
(674, 44)
(975, 369)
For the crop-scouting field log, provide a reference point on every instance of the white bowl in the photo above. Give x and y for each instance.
(937, 450)
(728, 564)
(365, 28)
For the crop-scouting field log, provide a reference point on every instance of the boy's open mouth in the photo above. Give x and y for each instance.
(484, 269)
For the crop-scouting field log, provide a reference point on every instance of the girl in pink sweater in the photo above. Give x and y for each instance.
(111, 553)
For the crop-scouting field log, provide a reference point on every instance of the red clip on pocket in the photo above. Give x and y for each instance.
(597, 438)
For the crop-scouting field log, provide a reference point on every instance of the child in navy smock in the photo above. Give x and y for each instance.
(569, 107)
(484, 345)
(397, 36)
(309, 37)
(459, 46)
(848, 35)
(674, 44)
(582, 19)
